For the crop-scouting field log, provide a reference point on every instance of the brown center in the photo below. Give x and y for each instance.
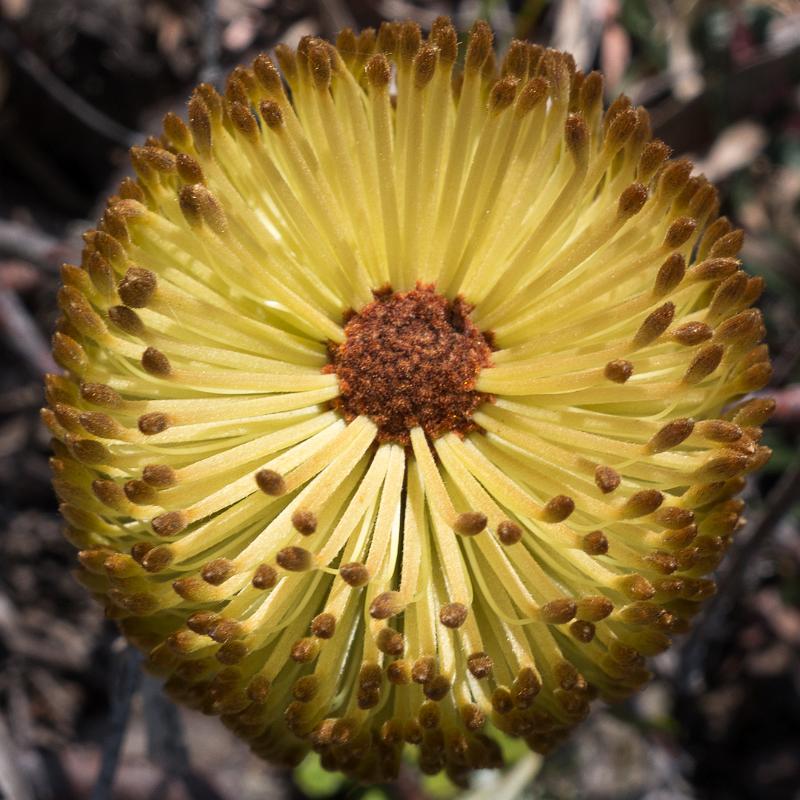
(411, 359)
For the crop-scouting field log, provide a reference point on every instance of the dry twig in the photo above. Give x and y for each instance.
(23, 335)
(125, 678)
(90, 116)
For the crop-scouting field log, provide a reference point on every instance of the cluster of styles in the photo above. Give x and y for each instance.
(397, 406)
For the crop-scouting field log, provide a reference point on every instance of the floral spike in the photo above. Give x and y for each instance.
(397, 407)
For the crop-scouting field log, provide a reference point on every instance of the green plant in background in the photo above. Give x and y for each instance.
(392, 412)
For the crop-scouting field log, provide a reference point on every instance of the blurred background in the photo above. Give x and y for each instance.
(80, 81)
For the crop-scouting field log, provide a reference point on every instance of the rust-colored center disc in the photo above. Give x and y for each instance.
(411, 359)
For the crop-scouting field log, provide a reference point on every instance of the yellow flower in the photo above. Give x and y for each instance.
(396, 402)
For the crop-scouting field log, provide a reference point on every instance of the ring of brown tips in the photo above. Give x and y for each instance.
(500, 424)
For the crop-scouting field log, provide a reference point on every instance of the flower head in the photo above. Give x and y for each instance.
(397, 400)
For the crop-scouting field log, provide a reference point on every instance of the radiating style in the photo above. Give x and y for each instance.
(398, 399)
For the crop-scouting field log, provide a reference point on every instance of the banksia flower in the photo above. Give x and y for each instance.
(398, 399)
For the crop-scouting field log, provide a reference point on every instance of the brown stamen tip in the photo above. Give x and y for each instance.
(653, 156)
(724, 466)
(169, 524)
(472, 717)
(582, 631)
(594, 608)
(265, 577)
(576, 137)
(385, 605)
(747, 330)
(595, 543)
(411, 359)
(679, 232)
(232, 653)
(378, 71)
(642, 503)
(159, 476)
(756, 412)
(423, 669)
(295, 559)
(399, 672)
(368, 698)
(444, 36)
(525, 687)
(304, 650)
(391, 732)
(606, 478)
(99, 424)
(728, 245)
(156, 363)
(632, 200)
(157, 558)
(480, 45)
(567, 677)
(719, 430)
(271, 482)
(618, 370)
(409, 41)
(202, 621)
(180, 641)
(502, 94)
(515, 62)
(654, 325)
(152, 423)
(304, 521)
(127, 320)
(704, 363)
(531, 94)
(346, 43)
(424, 66)
(189, 170)
(354, 574)
(390, 642)
(664, 563)
(216, 572)
(671, 435)
(453, 615)
(69, 354)
(370, 677)
(636, 587)
(480, 665)
(558, 612)
(323, 626)
(436, 688)
(139, 603)
(89, 451)
(502, 701)
(470, 523)
(140, 550)
(558, 508)
(670, 274)
(99, 394)
(621, 128)
(319, 65)
(271, 114)
(137, 287)
(692, 333)
(258, 688)
(509, 532)
(304, 689)
(225, 630)
(140, 492)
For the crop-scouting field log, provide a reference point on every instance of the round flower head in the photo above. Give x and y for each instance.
(397, 407)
